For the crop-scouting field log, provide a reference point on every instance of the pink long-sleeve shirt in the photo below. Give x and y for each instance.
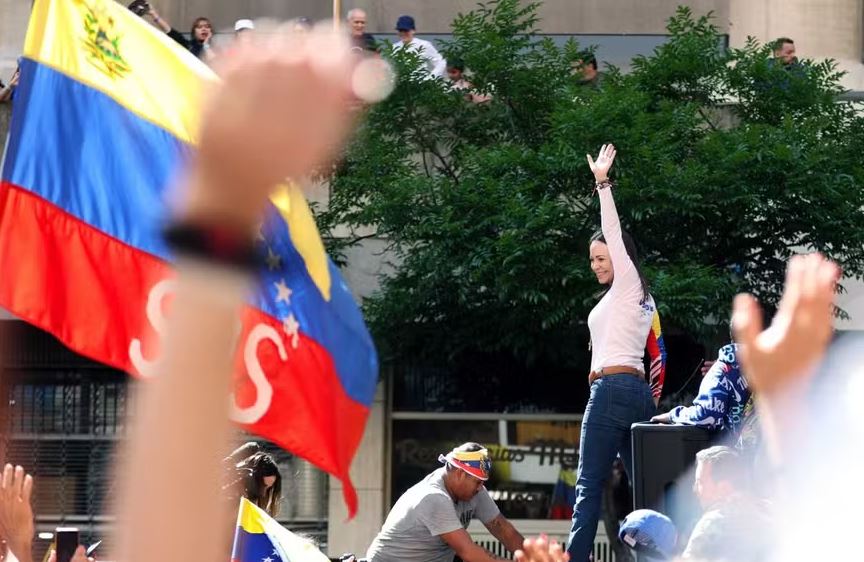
(620, 322)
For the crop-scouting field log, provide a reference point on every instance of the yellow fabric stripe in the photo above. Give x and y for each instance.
(304, 235)
(249, 518)
(480, 455)
(103, 45)
(568, 476)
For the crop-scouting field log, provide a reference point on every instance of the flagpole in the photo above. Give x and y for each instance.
(337, 14)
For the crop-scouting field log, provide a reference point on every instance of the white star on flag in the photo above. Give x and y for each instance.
(268, 559)
(274, 261)
(292, 328)
(283, 293)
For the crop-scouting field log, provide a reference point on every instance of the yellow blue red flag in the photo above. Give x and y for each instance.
(260, 538)
(104, 118)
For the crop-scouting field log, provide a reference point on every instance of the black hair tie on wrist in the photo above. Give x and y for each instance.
(214, 243)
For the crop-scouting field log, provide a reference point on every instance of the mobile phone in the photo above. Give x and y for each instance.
(67, 542)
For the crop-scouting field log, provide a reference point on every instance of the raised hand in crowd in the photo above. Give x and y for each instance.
(16, 512)
(6, 91)
(600, 167)
(245, 149)
(280, 109)
(541, 550)
(157, 19)
(779, 361)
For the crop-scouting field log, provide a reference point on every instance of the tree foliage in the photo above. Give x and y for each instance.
(728, 163)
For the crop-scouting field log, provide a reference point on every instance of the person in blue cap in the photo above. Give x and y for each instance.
(650, 533)
(435, 63)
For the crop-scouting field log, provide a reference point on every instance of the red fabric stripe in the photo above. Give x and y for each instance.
(90, 291)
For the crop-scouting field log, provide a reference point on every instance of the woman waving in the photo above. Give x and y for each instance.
(620, 395)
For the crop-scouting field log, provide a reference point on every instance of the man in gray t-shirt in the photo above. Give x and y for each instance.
(429, 522)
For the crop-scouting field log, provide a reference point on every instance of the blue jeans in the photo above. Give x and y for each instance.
(616, 402)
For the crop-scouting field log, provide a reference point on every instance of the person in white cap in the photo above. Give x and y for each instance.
(429, 521)
(243, 30)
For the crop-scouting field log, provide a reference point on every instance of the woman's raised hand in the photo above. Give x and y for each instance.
(600, 167)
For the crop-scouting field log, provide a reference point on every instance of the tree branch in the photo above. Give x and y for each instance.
(707, 120)
(445, 167)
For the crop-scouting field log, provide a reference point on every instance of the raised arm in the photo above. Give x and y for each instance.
(279, 112)
(626, 276)
(781, 360)
(708, 408)
(157, 19)
(506, 533)
(16, 512)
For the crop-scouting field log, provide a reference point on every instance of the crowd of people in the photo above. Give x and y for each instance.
(199, 42)
(182, 411)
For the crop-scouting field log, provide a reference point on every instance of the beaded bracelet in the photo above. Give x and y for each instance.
(602, 185)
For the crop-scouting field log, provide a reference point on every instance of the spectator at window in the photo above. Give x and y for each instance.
(199, 43)
(585, 69)
(784, 52)
(434, 62)
(734, 526)
(360, 40)
(456, 75)
(243, 31)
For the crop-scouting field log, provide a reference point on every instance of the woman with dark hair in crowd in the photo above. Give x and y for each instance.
(200, 35)
(620, 395)
(254, 474)
(263, 483)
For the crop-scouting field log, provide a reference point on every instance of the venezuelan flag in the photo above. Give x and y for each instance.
(563, 495)
(260, 538)
(104, 118)
(657, 352)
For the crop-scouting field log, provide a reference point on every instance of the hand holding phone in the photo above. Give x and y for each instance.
(66, 539)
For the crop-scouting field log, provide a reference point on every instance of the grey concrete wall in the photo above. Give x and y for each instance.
(557, 16)
(5, 116)
(13, 26)
(369, 477)
(820, 28)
